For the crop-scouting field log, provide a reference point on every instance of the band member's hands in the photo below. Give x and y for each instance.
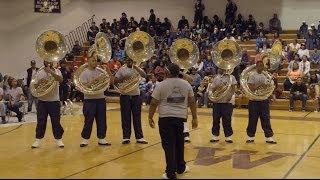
(194, 123)
(151, 123)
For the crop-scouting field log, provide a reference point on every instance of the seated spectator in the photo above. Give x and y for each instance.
(207, 25)
(166, 25)
(311, 39)
(196, 79)
(215, 35)
(202, 94)
(260, 40)
(314, 87)
(158, 26)
(251, 25)
(199, 67)
(275, 24)
(119, 53)
(149, 88)
(304, 66)
(114, 64)
(143, 25)
(228, 36)
(93, 27)
(246, 36)
(303, 51)
(303, 30)
(294, 46)
(261, 28)
(104, 25)
(76, 50)
(298, 92)
(91, 35)
(315, 56)
(292, 77)
(277, 91)
(132, 25)
(2, 107)
(240, 25)
(296, 60)
(183, 22)
(14, 95)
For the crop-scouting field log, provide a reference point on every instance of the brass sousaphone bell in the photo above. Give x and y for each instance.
(102, 48)
(184, 52)
(51, 47)
(139, 47)
(226, 54)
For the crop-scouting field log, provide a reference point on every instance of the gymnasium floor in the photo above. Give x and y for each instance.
(297, 154)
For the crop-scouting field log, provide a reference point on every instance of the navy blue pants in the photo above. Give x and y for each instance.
(222, 111)
(94, 109)
(172, 140)
(131, 107)
(45, 108)
(259, 109)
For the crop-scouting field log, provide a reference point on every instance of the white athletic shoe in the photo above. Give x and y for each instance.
(84, 142)
(142, 141)
(60, 143)
(270, 140)
(214, 139)
(186, 170)
(36, 144)
(250, 139)
(103, 142)
(164, 176)
(229, 139)
(187, 139)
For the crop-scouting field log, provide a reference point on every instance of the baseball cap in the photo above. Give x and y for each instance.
(33, 62)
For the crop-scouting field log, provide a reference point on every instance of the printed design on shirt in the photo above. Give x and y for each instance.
(176, 96)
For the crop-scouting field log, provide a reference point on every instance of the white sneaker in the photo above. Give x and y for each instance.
(142, 141)
(214, 139)
(187, 139)
(36, 144)
(229, 139)
(270, 140)
(250, 139)
(60, 143)
(103, 142)
(164, 176)
(84, 142)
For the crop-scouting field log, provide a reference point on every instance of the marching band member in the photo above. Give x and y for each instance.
(49, 105)
(173, 95)
(223, 108)
(130, 103)
(94, 106)
(259, 108)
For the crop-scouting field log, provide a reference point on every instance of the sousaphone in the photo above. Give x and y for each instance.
(102, 49)
(51, 47)
(226, 54)
(139, 47)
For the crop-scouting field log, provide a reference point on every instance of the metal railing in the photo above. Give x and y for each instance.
(78, 34)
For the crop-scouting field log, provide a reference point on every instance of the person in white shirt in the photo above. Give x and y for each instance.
(199, 65)
(49, 104)
(26, 81)
(303, 51)
(296, 60)
(294, 46)
(259, 108)
(2, 107)
(94, 106)
(14, 95)
(304, 66)
(173, 95)
(223, 108)
(130, 103)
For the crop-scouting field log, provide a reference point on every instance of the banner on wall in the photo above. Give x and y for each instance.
(47, 6)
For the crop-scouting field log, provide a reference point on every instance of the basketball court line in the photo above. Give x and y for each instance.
(11, 130)
(301, 157)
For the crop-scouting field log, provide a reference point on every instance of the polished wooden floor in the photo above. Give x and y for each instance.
(297, 154)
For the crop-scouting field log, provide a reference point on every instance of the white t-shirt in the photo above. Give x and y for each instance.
(125, 72)
(304, 67)
(89, 75)
(14, 93)
(224, 79)
(172, 94)
(54, 95)
(257, 79)
(303, 52)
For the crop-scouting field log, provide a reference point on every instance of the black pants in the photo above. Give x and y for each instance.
(131, 106)
(52, 109)
(259, 109)
(172, 139)
(224, 111)
(16, 108)
(94, 109)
